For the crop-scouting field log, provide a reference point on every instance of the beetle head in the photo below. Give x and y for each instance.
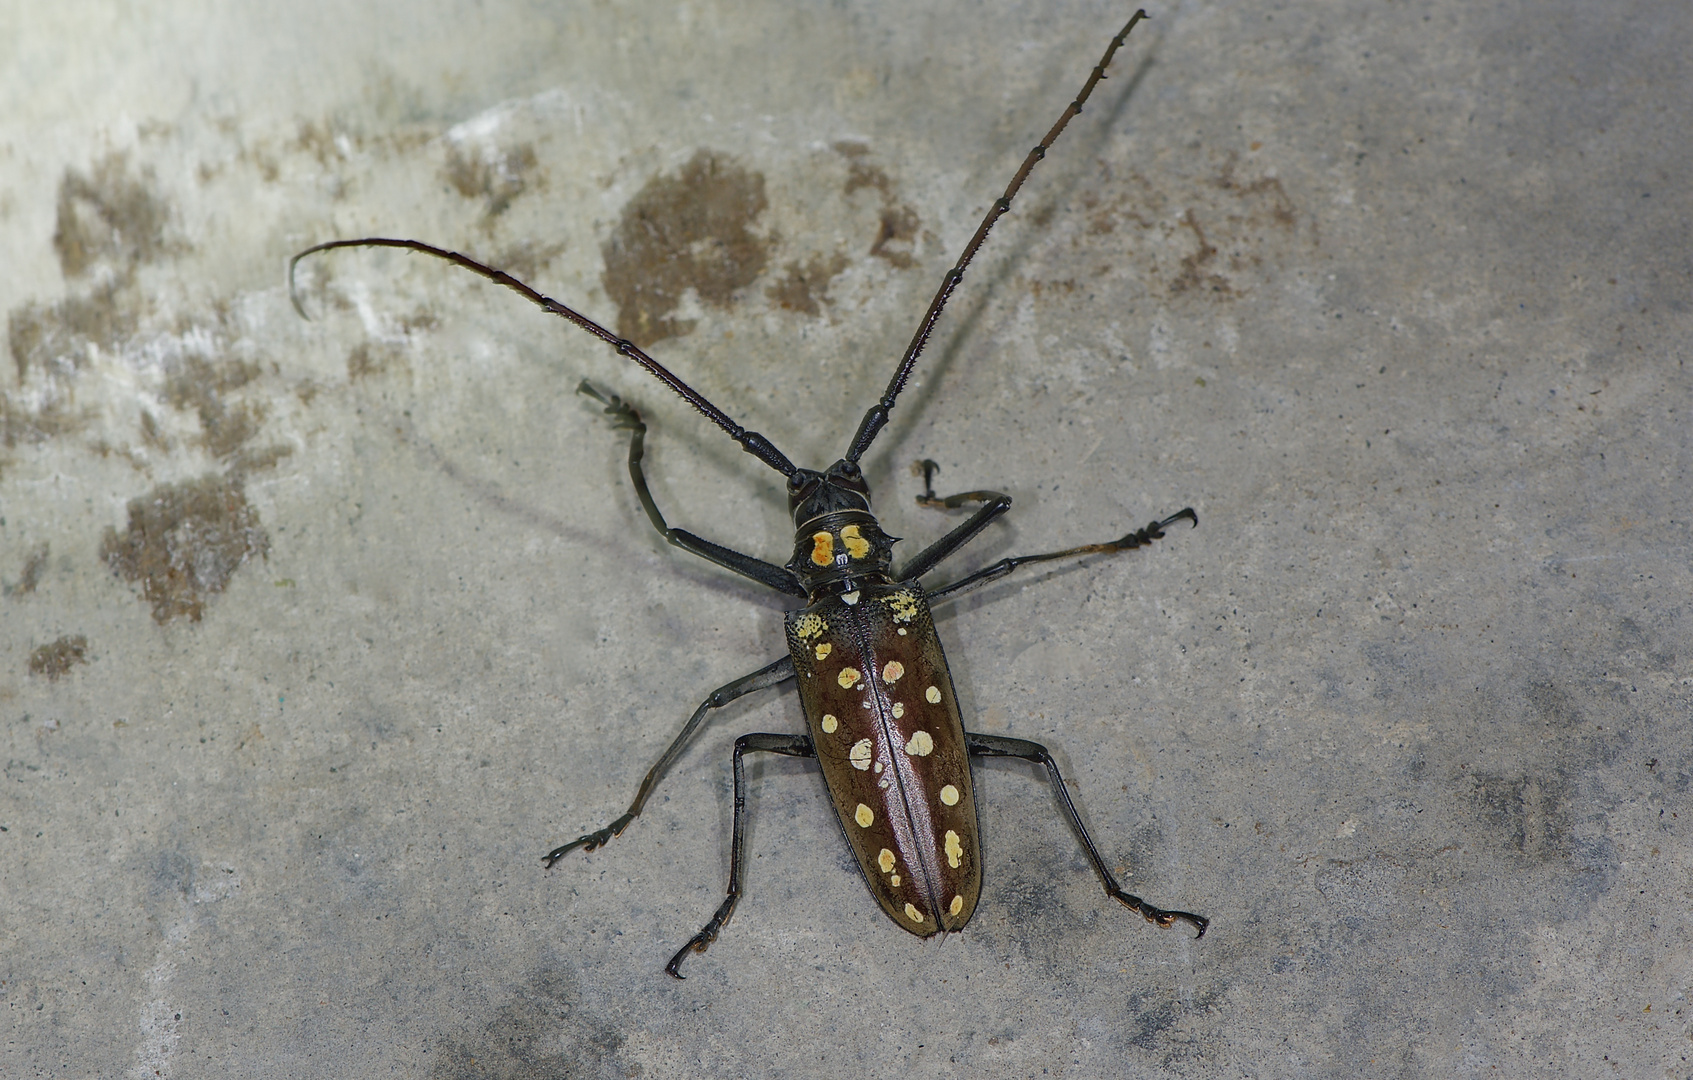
(812, 494)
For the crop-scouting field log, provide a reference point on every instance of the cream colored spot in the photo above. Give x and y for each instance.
(822, 548)
(848, 678)
(902, 631)
(830, 723)
(894, 881)
(824, 649)
(954, 850)
(886, 861)
(878, 768)
(864, 816)
(810, 625)
(892, 670)
(859, 755)
(850, 598)
(921, 745)
(913, 914)
(957, 905)
(882, 783)
(899, 710)
(857, 547)
(932, 695)
(949, 795)
(903, 605)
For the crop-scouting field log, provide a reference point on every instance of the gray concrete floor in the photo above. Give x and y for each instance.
(317, 634)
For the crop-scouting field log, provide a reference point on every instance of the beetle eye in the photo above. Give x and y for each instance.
(849, 469)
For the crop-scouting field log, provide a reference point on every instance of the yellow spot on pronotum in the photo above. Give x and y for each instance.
(894, 881)
(848, 678)
(810, 625)
(892, 670)
(954, 851)
(824, 649)
(886, 861)
(830, 723)
(957, 905)
(921, 745)
(859, 755)
(949, 795)
(913, 914)
(899, 710)
(864, 816)
(822, 548)
(857, 547)
(903, 605)
(932, 695)
(850, 598)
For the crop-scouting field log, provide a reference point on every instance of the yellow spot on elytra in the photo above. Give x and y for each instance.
(824, 649)
(892, 670)
(903, 605)
(913, 914)
(810, 625)
(822, 548)
(886, 861)
(857, 547)
(954, 851)
(957, 905)
(882, 783)
(848, 678)
(921, 745)
(859, 755)
(902, 631)
(899, 710)
(949, 795)
(894, 881)
(932, 695)
(850, 598)
(878, 768)
(830, 723)
(864, 816)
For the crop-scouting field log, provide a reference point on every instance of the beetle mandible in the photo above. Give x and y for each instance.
(878, 699)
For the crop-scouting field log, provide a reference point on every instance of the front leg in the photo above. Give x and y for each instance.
(1139, 538)
(625, 418)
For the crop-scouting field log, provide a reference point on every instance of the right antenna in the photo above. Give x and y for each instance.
(877, 415)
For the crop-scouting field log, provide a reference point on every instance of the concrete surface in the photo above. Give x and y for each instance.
(316, 635)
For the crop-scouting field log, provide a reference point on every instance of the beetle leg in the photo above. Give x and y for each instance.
(1139, 538)
(931, 556)
(769, 675)
(791, 745)
(999, 746)
(625, 418)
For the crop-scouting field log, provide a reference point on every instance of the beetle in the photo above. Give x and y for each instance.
(881, 712)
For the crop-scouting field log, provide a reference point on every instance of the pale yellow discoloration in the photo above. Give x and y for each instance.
(891, 671)
(859, 755)
(822, 548)
(830, 723)
(865, 816)
(882, 783)
(913, 914)
(848, 678)
(922, 744)
(809, 626)
(903, 605)
(949, 795)
(886, 861)
(849, 598)
(857, 547)
(932, 695)
(899, 710)
(878, 768)
(894, 881)
(954, 850)
(957, 905)
(902, 631)
(824, 649)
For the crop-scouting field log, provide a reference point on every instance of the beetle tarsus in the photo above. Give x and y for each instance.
(597, 839)
(1160, 916)
(702, 940)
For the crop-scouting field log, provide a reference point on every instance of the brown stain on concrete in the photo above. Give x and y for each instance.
(804, 286)
(56, 660)
(690, 230)
(496, 177)
(34, 568)
(109, 215)
(897, 232)
(185, 542)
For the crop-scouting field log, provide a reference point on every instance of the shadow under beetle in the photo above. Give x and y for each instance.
(881, 715)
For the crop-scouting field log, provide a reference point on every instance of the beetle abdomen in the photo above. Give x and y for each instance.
(877, 695)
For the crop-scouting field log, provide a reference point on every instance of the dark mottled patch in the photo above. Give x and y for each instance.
(369, 358)
(1526, 813)
(56, 660)
(225, 426)
(35, 565)
(525, 258)
(687, 231)
(56, 339)
(805, 286)
(899, 223)
(541, 1033)
(185, 542)
(1196, 267)
(495, 176)
(109, 215)
(1553, 704)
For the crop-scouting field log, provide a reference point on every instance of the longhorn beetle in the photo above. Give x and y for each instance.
(881, 714)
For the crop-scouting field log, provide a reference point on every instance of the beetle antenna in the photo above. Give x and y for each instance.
(877, 416)
(751, 441)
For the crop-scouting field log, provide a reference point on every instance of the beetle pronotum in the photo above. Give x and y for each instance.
(882, 718)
